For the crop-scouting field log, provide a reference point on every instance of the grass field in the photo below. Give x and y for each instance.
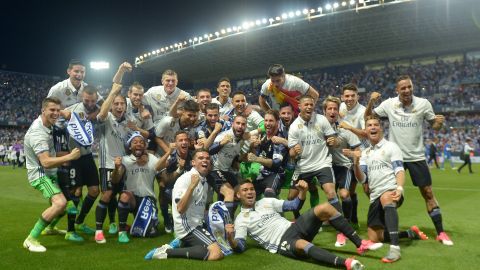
(21, 205)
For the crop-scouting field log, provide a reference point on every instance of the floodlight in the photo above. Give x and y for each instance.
(235, 28)
(328, 6)
(195, 39)
(335, 5)
(258, 22)
(229, 30)
(344, 4)
(264, 20)
(141, 57)
(278, 18)
(145, 55)
(291, 14)
(149, 54)
(217, 34)
(298, 13)
(284, 16)
(305, 11)
(205, 36)
(162, 50)
(223, 31)
(352, 2)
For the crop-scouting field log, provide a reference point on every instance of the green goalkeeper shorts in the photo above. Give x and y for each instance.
(47, 185)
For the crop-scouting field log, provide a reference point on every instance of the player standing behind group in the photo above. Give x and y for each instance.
(283, 88)
(41, 168)
(406, 114)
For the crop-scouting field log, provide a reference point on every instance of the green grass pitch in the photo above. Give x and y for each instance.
(458, 194)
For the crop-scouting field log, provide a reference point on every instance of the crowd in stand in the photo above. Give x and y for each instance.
(442, 83)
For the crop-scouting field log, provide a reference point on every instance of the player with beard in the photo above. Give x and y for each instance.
(352, 114)
(179, 160)
(161, 98)
(207, 131)
(382, 164)
(165, 129)
(406, 114)
(85, 167)
(271, 156)
(226, 150)
(308, 138)
(41, 167)
(223, 99)
(189, 204)
(254, 119)
(287, 117)
(138, 171)
(261, 220)
(341, 163)
(204, 97)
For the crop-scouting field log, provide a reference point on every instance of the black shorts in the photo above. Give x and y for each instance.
(66, 180)
(323, 176)
(305, 227)
(419, 173)
(273, 181)
(198, 237)
(343, 177)
(86, 170)
(376, 214)
(106, 181)
(217, 178)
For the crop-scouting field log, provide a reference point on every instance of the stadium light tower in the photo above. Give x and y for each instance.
(99, 65)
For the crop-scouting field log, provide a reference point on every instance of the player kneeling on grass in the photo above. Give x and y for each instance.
(137, 170)
(263, 222)
(382, 163)
(42, 166)
(189, 199)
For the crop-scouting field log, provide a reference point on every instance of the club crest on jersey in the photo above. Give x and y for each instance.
(300, 126)
(68, 92)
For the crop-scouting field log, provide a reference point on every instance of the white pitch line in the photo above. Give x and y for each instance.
(449, 188)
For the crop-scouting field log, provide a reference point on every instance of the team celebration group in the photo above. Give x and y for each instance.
(212, 155)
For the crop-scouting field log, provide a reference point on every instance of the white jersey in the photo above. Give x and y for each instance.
(263, 223)
(160, 101)
(113, 136)
(168, 126)
(134, 115)
(224, 158)
(356, 118)
(38, 139)
(140, 179)
(293, 87)
(80, 109)
(467, 149)
(224, 108)
(194, 215)
(406, 125)
(312, 138)
(3, 150)
(381, 163)
(66, 92)
(347, 140)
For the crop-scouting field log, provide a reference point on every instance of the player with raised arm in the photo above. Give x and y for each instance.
(406, 114)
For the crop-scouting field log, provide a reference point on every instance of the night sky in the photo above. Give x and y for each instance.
(42, 36)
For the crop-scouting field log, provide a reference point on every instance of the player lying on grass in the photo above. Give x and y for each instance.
(263, 222)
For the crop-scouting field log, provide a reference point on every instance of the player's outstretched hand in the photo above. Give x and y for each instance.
(125, 67)
(195, 180)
